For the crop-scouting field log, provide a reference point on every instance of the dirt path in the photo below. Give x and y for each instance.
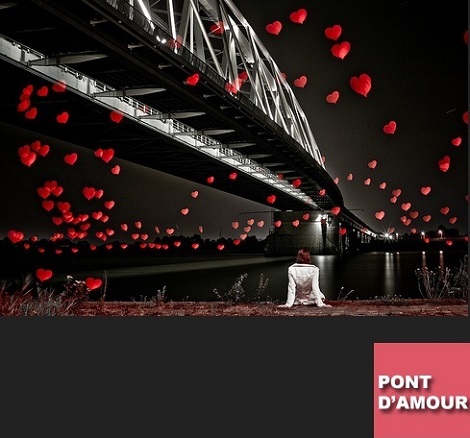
(339, 308)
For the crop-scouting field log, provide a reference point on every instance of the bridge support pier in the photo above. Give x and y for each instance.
(315, 230)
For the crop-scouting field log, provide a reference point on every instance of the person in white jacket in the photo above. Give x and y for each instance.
(303, 282)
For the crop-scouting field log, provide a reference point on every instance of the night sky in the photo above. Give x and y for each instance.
(415, 53)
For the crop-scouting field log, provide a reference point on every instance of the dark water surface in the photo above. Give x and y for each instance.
(369, 275)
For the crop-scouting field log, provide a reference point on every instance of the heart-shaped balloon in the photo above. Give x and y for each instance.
(453, 220)
(396, 192)
(301, 81)
(89, 192)
(333, 97)
(390, 127)
(341, 50)
(116, 116)
(217, 28)
(380, 215)
(15, 236)
(427, 218)
(184, 211)
(296, 223)
(333, 32)
(235, 225)
(23, 106)
(382, 185)
(93, 283)
(361, 84)
(43, 91)
(414, 214)
(444, 163)
(298, 16)
(63, 117)
(342, 231)
(274, 28)
(425, 190)
(335, 210)
(116, 169)
(59, 87)
(372, 164)
(271, 199)
(444, 210)
(31, 113)
(71, 159)
(43, 274)
(406, 206)
(192, 80)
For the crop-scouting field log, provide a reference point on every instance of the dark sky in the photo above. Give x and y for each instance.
(417, 58)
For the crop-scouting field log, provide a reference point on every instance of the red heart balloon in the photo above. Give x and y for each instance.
(192, 80)
(361, 84)
(31, 113)
(43, 91)
(336, 210)
(372, 164)
(271, 199)
(71, 158)
(43, 192)
(341, 50)
(88, 192)
(457, 141)
(23, 105)
(217, 28)
(107, 155)
(43, 274)
(116, 169)
(63, 117)
(342, 231)
(444, 210)
(332, 97)
(333, 32)
(116, 116)
(299, 16)
(322, 192)
(59, 87)
(300, 82)
(15, 236)
(390, 127)
(48, 205)
(444, 163)
(93, 283)
(425, 190)
(274, 28)
(210, 179)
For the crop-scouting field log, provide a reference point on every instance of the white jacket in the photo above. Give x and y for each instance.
(303, 286)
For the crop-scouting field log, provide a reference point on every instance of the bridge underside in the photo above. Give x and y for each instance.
(123, 59)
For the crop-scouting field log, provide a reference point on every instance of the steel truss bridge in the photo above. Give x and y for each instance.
(139, 58)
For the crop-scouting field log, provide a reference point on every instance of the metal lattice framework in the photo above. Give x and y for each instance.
(218, 34)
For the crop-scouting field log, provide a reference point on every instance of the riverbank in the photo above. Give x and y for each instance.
(403, 307)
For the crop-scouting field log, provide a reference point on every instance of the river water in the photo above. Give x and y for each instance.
(360, 276)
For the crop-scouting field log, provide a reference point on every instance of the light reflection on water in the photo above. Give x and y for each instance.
(368, 275)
